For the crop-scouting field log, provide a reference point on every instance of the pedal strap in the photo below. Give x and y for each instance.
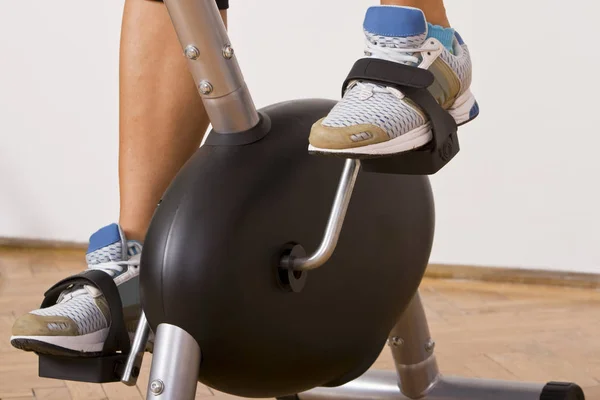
(414, 83)
(389, 73)
(118, 338)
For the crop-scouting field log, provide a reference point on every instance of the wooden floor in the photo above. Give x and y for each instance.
(501, 331)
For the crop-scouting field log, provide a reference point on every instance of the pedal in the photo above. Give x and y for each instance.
(110, 365)
(103, 369)
(413, 82)
(427, 161)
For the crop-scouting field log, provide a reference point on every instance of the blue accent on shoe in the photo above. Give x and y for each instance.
(395, 21)
(132, 250)
(459, 38)
(474, 111)
(444, 35)
(104, 237)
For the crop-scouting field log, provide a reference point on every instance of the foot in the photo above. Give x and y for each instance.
(78, 324)
(374, 120)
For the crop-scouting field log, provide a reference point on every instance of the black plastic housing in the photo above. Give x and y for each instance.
(211, 258)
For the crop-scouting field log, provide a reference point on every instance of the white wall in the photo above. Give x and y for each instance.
(522, 193)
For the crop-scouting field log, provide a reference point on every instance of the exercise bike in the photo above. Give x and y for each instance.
(248, 280)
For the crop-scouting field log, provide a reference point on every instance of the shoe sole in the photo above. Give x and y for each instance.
(91, 343)
(40, 345)
(464, 110)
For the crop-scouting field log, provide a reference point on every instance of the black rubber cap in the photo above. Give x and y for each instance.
(562, 391)
(293, 397)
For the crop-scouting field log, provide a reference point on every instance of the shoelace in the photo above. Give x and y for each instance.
(403, 55)
(400, 55)
(112, 268)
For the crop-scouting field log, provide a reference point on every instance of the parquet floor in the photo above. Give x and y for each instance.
(502, 331)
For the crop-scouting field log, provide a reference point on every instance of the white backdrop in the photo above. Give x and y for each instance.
(522, 193)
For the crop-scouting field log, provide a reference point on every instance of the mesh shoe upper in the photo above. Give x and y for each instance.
(83, 310)
(361, 105)
(368, 110)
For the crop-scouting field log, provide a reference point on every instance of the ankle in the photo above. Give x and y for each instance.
(437, 17)
(135, 232)
(434, 10)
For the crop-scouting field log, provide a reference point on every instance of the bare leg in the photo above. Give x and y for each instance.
(162, 119)
(434, 9)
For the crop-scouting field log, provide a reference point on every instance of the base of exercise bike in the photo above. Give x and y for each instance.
(383, 385)
(104, 369)
(372, 385)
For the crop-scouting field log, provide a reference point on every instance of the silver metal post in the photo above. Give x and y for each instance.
(381, 385)
(412, 349)
(175, 365)
(136, 356)
(334, 224)
(213, 64)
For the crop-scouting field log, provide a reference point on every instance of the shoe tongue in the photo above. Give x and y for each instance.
(395, 27)
(106, 245)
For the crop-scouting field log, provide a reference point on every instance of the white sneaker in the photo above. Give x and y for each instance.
(78, 324)
(375, 120)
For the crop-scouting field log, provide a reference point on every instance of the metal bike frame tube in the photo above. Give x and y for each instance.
(175, 365)
(136, 355)
(334, 224)
(412, 350)
(213, 64)
(383, 385)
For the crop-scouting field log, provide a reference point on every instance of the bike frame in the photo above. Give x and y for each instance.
(176, 362)
(213, 64)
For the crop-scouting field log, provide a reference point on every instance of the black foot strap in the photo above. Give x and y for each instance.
(413, 82)
(118, 338)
